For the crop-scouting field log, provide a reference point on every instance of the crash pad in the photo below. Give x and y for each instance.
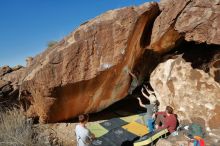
(97, 129)
(136, 128)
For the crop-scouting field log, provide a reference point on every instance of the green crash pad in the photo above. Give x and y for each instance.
(131, 118)
(97, 129)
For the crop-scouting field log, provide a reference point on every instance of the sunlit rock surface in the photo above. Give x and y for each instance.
(192, 20)
(193, 93)
(10, 79)
(88, 70)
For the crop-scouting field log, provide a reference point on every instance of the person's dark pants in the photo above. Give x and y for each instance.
(150, 124)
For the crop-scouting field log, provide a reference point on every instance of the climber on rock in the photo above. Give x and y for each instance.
(152, 97)
(166, 120)
(134, 82)
(151, 108)
(83, 135)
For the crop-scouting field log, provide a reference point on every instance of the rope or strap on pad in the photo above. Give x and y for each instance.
(149, 138)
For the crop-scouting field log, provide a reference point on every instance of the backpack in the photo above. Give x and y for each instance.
(195, 130)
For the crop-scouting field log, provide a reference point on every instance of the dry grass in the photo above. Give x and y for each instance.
(16, 129)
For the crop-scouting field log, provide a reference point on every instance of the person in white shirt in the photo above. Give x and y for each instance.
(83, 136)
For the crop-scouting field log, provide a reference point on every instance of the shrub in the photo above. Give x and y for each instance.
(51, 43)
(17, 130)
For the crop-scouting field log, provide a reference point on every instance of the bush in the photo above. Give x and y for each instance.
(17, 130)
(51, 43)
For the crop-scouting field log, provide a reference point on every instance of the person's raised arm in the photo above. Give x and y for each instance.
(133, 76)
(140, 103)
(145, 95)
(149, 91)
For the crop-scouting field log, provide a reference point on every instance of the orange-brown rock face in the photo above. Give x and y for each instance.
(88, 70)
(193, 20)
(193, 93)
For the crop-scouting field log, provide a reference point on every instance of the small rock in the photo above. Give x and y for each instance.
(17, 67)
(7, 89)
(183, 143)
(164, 142)
(4, 70)
(3, 83)
(29, 61)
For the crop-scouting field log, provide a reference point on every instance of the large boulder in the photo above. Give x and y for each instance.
(88, 70)
(10, 81)
(192, 20)
(15, 77)
(194, 94)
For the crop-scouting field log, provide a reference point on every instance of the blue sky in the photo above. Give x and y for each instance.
(26, 26)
